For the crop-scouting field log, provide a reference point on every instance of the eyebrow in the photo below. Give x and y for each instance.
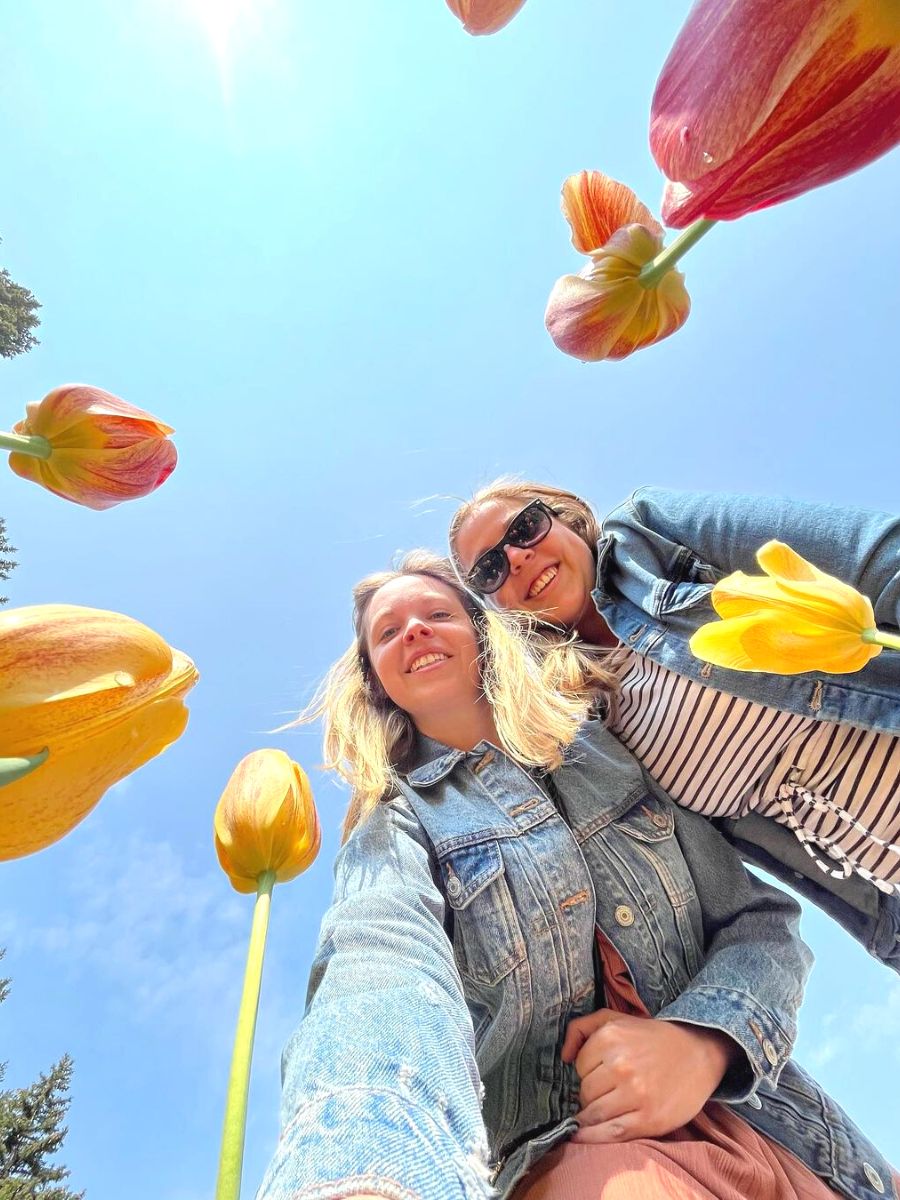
(493, 545)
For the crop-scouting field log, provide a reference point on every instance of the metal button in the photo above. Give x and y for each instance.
(658, 820)
(769, 1051)
(624, 915)
(754, 1101)
(874, 1178)
(454, 887)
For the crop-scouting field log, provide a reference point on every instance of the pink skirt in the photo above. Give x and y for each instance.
(717, 1156)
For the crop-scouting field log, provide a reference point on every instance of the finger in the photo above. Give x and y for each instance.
(602, 1081)
(608, 1107)
(581, 1028)
(623, 1128)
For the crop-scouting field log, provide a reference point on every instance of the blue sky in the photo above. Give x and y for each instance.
(320, 247)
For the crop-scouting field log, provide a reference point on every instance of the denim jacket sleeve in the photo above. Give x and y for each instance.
(724, 532)
(755, 964)
(381, 1092)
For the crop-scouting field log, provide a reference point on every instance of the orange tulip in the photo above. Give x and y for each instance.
(89, 446)
(608, 311)
(88, 696)
(759, 102)
(266, 821)
(484, 16)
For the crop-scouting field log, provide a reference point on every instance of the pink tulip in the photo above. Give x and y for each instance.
(760, 101)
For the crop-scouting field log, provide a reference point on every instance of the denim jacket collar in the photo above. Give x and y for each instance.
(433, 761)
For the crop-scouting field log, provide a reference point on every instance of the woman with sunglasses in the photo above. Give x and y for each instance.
(529, 942)
(801, 772)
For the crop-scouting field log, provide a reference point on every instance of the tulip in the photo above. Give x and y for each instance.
(629, 295)
(265, 821)
(793, 619)
(759, 102)
(265, 830)
(89, 446)
(484, 16)
(86, 697)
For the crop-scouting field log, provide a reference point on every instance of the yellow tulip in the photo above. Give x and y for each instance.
(619, 302)
(266, 821)
(793, 619)
(99, 692)
(266, 830)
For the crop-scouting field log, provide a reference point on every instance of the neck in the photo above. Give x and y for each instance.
(462, 729)
(592, 628)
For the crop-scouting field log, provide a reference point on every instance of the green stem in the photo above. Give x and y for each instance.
(12, 769)
(37, 447)
(653, 271)
(231, 1158)
(876, 637)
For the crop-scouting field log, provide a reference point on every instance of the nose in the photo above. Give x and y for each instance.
(415, 629)
(517, 557)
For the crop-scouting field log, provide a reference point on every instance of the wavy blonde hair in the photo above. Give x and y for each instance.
(540, 690)
(574, 512)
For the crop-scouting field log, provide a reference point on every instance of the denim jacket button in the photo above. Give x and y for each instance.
(874, 1178)
(754, 1101)
(769, 1051)
(624, 915)
(454, 887)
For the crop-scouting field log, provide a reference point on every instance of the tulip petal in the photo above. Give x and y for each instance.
(484, 16)
(764, 642)
(596, 207)
(758, 103)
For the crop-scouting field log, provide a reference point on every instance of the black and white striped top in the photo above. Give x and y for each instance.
(837, 786)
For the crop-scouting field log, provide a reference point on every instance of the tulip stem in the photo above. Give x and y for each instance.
(228, 1186)
(876, 637)
(37, 447)
(653, 271)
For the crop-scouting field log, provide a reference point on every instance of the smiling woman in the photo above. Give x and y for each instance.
(533, 959)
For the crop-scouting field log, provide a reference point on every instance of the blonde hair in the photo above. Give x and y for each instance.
(540, 690)
(574, 512)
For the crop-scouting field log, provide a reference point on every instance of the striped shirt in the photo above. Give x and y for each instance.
(835, 785)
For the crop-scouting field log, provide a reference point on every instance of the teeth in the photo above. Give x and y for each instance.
(426, 660)
(541, 582)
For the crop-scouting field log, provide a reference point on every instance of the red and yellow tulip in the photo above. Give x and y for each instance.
(89, 696)
(484, 16)
(759, 102)
(89, 446)
(792, 619)
(614, 306)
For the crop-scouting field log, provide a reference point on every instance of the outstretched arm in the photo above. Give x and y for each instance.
(380, 1086)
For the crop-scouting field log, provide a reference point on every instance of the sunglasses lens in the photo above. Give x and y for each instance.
(529, 527)
(489, 572)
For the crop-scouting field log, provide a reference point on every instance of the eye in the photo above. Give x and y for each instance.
(440, 614)
(387, 632)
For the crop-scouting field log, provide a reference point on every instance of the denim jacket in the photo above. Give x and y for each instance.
(461, 942)
(659, 555)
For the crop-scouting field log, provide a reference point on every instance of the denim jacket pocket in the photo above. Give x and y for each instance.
(487, 939)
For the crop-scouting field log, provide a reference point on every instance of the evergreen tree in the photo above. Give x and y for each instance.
(6, 568)
(31, 1130)
(18, 317)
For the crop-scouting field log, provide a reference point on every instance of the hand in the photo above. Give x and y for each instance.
(641, 1077)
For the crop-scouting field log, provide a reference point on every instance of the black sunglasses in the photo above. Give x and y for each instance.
(527, 528)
